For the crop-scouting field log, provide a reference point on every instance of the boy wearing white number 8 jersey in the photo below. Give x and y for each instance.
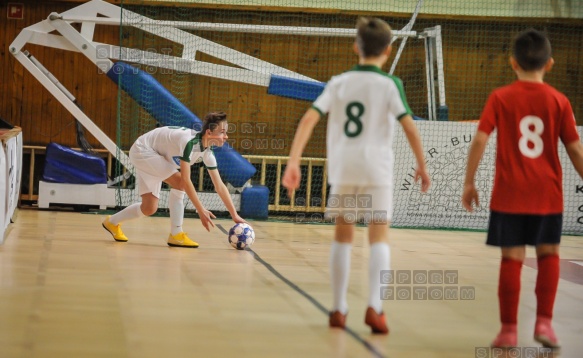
(363, 106)
(527, 199)
(165, 154)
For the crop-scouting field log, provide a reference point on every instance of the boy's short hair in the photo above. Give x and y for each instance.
(373, 35)
(212, 120)
(531, 49)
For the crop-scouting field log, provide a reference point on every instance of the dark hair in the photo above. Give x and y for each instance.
(531, 49)
(212, 120)
(373, 35)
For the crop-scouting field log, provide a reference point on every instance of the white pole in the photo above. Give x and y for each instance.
(208, 26)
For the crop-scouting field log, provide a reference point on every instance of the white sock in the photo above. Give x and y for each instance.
(176, 207)
(129, 213)
(339, 274)
(380, 259)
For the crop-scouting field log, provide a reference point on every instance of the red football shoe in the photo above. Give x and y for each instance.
(337, 320)
(376, 321)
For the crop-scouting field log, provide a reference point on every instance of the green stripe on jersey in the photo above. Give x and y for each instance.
(399, 85)
(369, 68)
(318, 110)
(400, 116)
(396, 80)
(188, 148)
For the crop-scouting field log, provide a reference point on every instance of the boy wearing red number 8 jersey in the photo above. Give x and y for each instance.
(363, 105)
(527, 199)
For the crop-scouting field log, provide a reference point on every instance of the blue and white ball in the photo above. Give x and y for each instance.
(241, 236)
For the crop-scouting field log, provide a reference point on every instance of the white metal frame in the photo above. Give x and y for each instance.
(406, 28)
(433, 64)
(252, 70)
(434, 72)
(72, 40)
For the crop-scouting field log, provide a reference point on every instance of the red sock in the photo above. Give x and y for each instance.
(547, 281)
(509, 290)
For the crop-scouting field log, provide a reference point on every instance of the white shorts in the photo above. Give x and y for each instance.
(151, 169)
(360, 203)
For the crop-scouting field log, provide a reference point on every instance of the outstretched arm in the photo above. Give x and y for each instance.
(415, 142)
(223, 192)
(477, 148)
(575, 151)
(205, 215)
(292, 175)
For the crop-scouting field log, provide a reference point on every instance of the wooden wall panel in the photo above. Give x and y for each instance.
(475, 55)
(26, 103)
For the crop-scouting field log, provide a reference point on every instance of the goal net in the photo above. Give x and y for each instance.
(263, 62)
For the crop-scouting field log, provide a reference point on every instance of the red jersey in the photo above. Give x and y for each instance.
(530, 118)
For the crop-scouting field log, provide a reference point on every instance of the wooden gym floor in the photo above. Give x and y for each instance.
(68, 290)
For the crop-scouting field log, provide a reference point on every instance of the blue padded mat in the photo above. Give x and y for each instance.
(169, 111)
(65, 165)
(294, 88)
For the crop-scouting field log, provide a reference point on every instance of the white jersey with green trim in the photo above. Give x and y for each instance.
(363, 105)
(178, 143)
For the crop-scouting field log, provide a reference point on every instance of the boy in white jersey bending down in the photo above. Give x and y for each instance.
(363, 106)
(157, 157)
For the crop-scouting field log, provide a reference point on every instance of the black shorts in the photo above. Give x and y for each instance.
(521, 229)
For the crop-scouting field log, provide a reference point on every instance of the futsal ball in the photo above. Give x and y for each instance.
(241, 236)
